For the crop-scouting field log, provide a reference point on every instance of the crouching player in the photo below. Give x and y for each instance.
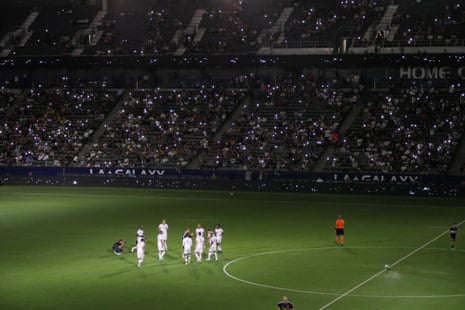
(118, 247)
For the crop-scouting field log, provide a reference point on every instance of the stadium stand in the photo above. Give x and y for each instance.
(162, 128)
(430, 23)
(48, 127)
(275, 119)
(412, 129)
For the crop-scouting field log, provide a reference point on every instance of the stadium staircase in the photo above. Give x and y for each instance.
(346, 124)
(92, 29)
(12, 108)
(458, 161)
(100, 131)
(23, 32)
(386, 22)
(191, 30)
(25, 27)
(195, 162)
(278, 27)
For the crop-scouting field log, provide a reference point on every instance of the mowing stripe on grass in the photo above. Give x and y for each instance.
(109, 196)
(384, 270)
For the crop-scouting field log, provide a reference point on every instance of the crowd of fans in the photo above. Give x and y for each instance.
(163, 128)
(415, 129)
(284, 123)
(49, 127)
(287, 124)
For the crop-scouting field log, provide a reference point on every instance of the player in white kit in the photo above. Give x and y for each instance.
(140, 252)
(212, 246)
(139, 236)
(199, 230)
(164, 228)
(187, 248)
(199, 246)
(161, 244)
(219, 236)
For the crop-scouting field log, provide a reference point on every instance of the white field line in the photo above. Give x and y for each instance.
(384, 270)
(226, 272)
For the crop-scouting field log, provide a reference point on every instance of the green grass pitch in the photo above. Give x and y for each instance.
(56, 250)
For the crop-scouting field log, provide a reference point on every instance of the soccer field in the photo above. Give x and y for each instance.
(56, 251)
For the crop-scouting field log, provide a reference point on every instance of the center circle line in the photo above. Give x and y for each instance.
(229, 275)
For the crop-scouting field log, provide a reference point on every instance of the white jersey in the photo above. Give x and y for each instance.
(199, 230)
(212, 244)
(140, 249)
(199, 244)
(164, 229)
(161, 243)
(219, 234)
(140, 234)
(187, 245)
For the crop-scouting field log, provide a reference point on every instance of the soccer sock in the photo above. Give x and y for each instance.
(216, 256)
(337, 240)
(342, 240)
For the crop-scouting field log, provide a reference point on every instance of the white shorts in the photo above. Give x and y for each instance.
(219, 239)
(212, 249)
(140, 254)
(187, 251)
(199, 249)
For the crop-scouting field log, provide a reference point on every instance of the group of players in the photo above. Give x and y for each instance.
(214, 239)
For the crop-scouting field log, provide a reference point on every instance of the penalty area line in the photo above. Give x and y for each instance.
(332, 302)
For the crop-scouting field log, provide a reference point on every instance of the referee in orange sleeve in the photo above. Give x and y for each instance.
(339, 230)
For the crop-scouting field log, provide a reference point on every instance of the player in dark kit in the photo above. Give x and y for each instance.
(452, 234)
(118, 247)
(285, 304)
